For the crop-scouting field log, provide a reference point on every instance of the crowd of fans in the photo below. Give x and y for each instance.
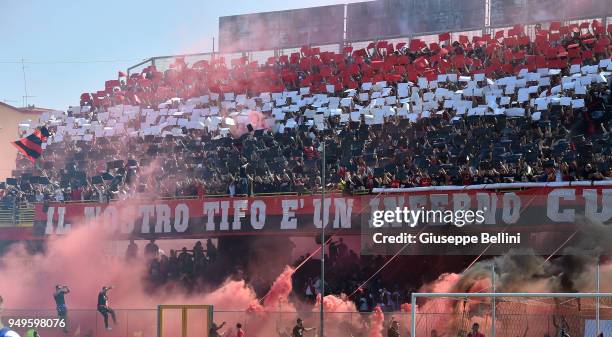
(407, 115)
(205, 266)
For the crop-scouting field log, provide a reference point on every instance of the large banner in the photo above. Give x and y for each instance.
(527, 209)
(390, 18)
(283, 29)
(510, 12)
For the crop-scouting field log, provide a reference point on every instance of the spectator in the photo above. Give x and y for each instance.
(475, 331)
(104, 308)
(214, 329)
(60, 303)
(299, 329)
(239, 331)
(211, 250)
(393, 330)
(151, 250)
(132, 250)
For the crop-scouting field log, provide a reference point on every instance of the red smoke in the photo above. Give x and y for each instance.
(332, 303)
(278, 296)
(377, 321)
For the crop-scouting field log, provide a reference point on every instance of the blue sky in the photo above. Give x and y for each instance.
(53, 35)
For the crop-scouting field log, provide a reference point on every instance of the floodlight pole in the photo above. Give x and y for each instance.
(493, 302)
(322, 285)
(598, 328)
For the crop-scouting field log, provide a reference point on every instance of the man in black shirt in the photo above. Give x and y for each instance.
(60, 303)
(299, 329)
(151, 249)
(132, 250)
(103, 307)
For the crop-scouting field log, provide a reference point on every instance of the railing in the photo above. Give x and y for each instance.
(7, 216)
(22, 215)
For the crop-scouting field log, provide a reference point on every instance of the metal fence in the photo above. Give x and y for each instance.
(143, 323)
(512, 314)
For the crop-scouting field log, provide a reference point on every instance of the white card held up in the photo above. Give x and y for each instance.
(578, 103)
(403, 86)
(532, 77)
(279, 116)
(422, 82)
(541, 103)
(586, 80)
(523, 96)
(265, 97)
(566, 101)
(544, 81)
(543, 71)
(346, 102)
(382, 84)
(290, 123)
(515, 112)
(575, 68)
(605, 63)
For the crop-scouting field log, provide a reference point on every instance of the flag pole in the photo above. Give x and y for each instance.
(323, 223)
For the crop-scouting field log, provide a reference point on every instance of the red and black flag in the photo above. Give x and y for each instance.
(31, 146)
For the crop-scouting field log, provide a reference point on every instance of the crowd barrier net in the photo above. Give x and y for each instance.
(513, 316)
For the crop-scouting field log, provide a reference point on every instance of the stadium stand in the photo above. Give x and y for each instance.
(496, 108)
(202, 263)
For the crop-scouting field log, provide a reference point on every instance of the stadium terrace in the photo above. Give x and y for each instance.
(503, 108)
